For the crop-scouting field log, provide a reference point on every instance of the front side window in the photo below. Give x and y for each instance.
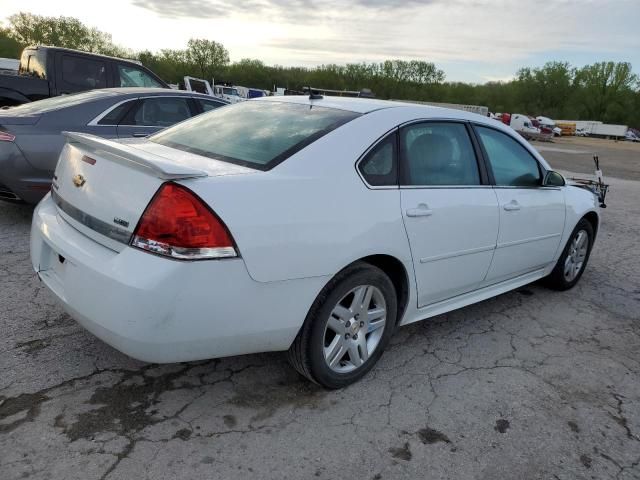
(83, 72)
(380, 166)
(257, 134)
(511, 163)
(159, 112)
(135, 77)
(436, 154)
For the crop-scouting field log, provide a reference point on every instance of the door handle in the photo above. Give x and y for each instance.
(140, 134)
(511, 206)
(423, 210)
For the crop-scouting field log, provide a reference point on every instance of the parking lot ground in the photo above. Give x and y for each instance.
(533, 384)
(619, 159)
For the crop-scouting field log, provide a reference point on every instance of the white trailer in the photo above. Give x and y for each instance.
(594, 128)
(606, 130)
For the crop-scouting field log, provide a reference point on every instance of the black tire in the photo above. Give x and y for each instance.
(306, 354)
(556, 279)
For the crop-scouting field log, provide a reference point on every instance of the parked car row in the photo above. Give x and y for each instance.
(304, 224)
(31, 135)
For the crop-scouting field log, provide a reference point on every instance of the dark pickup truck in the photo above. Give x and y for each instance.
(50, 71)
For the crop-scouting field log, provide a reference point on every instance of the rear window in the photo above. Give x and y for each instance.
(32, 63)
(254, 134)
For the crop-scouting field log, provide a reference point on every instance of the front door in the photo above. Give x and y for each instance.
(450, 213)
(531, 216)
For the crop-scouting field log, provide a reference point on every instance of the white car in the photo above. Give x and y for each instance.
(313, 225)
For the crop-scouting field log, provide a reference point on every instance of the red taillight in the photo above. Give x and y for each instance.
(178, 224)
(6, 137)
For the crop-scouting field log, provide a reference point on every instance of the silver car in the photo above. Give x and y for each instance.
(31, 134)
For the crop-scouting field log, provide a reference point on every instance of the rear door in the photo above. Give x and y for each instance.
(531, 216)
(152, 114)
(77, 73)
(450, 211)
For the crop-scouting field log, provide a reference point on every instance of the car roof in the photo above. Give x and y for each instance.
(367, 105)
(82, 52)
(151, 91)
(357, 105)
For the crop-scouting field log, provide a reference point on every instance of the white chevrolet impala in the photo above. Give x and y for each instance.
(313, 225)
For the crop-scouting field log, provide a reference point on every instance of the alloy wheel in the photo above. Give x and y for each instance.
(354, 328)
(576, 255)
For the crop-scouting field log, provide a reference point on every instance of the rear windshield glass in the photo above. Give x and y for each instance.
(254, 134)
(55, 103)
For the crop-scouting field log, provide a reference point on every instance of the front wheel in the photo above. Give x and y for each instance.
(347, 328)
(574, 258)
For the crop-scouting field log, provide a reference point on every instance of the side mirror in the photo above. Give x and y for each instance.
(553, 179)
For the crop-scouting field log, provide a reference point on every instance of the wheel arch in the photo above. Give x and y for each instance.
(397, 273)
(593, 218)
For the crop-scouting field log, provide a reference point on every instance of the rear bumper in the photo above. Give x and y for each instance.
(161, 310)
(19, 181)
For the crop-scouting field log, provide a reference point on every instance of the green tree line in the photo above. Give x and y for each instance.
(606, 91)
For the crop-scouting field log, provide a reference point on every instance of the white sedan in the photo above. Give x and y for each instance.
(313, 225)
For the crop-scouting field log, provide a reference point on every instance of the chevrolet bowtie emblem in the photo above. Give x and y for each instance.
(79, 180)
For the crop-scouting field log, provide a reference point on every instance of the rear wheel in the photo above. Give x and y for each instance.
(574, 258)
(347, 328)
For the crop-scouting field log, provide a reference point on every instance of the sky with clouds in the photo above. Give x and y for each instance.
(471, 40)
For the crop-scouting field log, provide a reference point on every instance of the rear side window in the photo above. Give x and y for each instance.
(380, 166)
(511, 163)
(33, 63)
(257, 134)
(159, 112)
(83, 72)
(136, 77)
(438, 154)
(114, 116)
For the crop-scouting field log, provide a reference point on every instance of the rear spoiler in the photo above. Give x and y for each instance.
(132, 157)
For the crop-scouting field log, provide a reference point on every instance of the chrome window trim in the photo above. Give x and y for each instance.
(440, 187)
(526, 187)
(94, 122)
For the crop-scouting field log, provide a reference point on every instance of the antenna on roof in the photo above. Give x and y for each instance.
(313, 94)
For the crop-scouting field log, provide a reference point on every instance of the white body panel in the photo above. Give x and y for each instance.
(295, 227)
(161, 310)
(453, 243)
(531, 226)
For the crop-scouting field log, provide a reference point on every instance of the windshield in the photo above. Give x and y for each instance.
(55, 103)
(230, 91)
(254, 134)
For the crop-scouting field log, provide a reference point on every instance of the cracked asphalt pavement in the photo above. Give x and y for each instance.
(533, 384)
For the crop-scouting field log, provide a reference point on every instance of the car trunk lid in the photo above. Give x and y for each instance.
(6, 118)
(102, 187)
